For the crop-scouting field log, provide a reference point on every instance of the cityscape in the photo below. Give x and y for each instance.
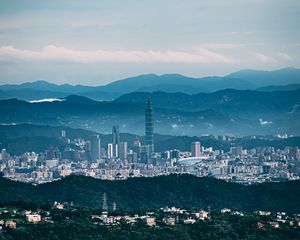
(149, 120)
(117, 161)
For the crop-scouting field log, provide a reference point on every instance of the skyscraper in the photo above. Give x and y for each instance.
(115, 135)
(196, 149)
(136, 149)
(123, 150)
(110, 150)
(95, 147)
(149, 126)
(115, 140)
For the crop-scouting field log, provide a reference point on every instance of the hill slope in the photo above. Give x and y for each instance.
(149, 193)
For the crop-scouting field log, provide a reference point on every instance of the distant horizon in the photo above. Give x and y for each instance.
(98, 42)
(145, 74)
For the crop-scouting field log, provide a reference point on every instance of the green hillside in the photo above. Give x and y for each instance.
(152, 193)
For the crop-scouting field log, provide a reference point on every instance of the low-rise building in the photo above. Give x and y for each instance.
(169, 221)
(150, 221)
(189, 221)
(202, 215)
(33, 218)
(10, 224)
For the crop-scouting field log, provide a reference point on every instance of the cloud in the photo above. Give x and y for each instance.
(262, 58)
(47, 100)
(284, 56)
(54, 53)
(221, 46)
(264, 122)
(91, 24)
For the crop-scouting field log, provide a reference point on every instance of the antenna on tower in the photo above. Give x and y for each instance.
(104, 202)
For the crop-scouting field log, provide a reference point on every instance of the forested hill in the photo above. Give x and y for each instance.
(151, 193)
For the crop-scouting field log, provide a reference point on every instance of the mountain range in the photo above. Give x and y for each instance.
(240, 112)
(241, 80)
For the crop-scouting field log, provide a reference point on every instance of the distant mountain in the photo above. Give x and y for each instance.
(28, 94)
(46, 86)
(273, 88)
(264, 78)
(225, 101)
(175, 83)
(184, 191)
(242, 80)
(241, 112)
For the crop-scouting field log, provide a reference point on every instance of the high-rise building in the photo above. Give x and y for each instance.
(115, 135)
(53, 153)
(4, 155)
(196, 149)
(145, 154)
(95, 147)
(137, 148)
(236, 151)
(63, 133)
(175, 153)
(115, 140)
(110, 150)
(239, 150)
(149, 126)
(123, 150)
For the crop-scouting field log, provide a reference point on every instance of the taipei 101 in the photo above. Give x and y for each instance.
(149, 120)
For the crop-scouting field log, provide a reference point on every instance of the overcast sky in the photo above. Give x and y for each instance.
(93, 42)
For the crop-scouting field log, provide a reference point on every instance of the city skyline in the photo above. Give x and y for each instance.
(149, 119)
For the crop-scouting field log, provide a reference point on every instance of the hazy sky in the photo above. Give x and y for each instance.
(97, 41)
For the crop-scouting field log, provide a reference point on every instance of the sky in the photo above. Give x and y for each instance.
(94, 42)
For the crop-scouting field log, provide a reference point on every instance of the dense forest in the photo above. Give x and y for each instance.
(152, 193)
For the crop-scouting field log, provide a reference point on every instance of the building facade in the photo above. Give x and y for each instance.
(149, 128)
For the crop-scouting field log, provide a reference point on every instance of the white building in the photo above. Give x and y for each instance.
(33, 218)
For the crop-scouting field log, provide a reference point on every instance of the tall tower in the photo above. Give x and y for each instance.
(115, 135)
(115, 140)
(149, 126)
(95, 147)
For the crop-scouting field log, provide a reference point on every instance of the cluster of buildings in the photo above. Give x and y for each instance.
(163, 216)
(11, 218)
(244, 166)
(117, 161)
(240, 165)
